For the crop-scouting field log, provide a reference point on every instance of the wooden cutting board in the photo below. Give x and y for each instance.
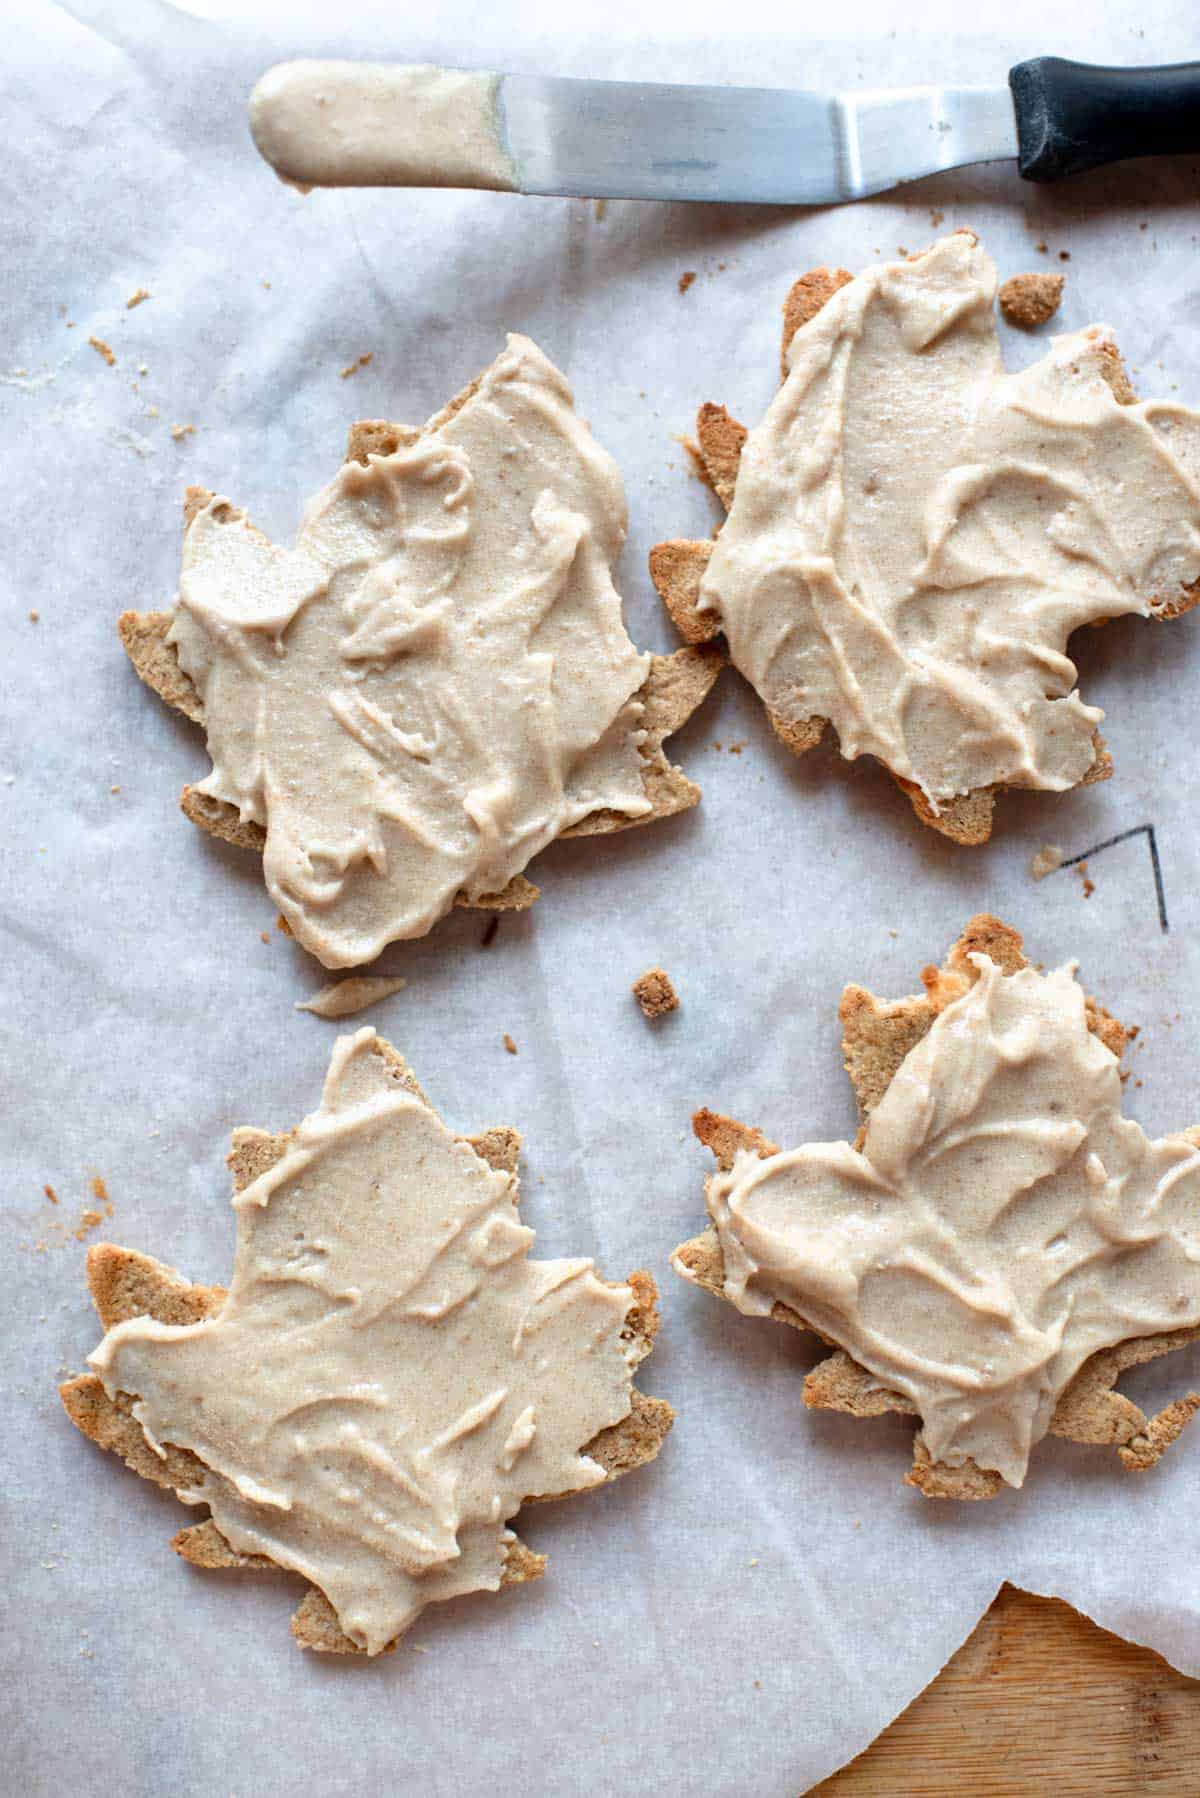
(1038, 1703)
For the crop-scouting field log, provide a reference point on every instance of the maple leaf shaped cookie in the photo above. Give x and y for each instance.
(389, 1376)
(913, 534)
(998, 1246)
(436, 681)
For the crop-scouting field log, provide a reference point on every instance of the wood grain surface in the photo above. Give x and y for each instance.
(1038, 1700)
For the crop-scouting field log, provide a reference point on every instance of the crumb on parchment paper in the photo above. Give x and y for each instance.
(103, 349)
(686, 279)
(94, 1214)
(1047, 859)
(179, 432)
(1029, 300)
(509, 1044)
(654, 993)
(352, 368)
(136, 297)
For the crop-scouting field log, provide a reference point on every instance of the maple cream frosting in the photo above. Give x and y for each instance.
(389, 1376)
(1001, 1223)
(363, 124)
(915, 533)
(436, 681)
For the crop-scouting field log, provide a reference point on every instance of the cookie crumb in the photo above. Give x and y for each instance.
(50, 1194)
(114, 789)
(33, 617)
(936, 217)
(654, 993)
(1029, 300)
(1042, 248)
(490, 929)
(136, 297)
(1064, 255)
(352, 368)
(686, 279)
(102, 349)
(178, 432)
(87, 1223)
(509, 1044)
(1048, 858)
(99, 1189)
(264, 936)
(737, 748)
(1089, 885)
(282, 925)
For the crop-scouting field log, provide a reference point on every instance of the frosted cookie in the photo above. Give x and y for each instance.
(389, 1377)
(997, 1246)
(436, 681)
(913, 534)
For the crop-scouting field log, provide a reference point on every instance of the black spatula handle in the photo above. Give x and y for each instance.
(1072, 116)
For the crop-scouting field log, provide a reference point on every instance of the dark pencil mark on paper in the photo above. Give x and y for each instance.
(1138, 830)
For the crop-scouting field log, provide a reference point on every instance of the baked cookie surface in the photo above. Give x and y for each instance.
(991, 1254)
(388, 1378)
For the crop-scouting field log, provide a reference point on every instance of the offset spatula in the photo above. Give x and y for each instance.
(348, 124)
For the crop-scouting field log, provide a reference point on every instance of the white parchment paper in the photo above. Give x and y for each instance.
(746, 1614)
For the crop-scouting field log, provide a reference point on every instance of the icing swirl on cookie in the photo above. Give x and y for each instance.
(390, 1376)
(915, 533)
(436, 681)
(1001, 1223)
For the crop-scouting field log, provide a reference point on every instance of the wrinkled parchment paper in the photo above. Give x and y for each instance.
(746, 1614)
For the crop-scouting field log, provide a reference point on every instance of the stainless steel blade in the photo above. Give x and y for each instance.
(643, 141)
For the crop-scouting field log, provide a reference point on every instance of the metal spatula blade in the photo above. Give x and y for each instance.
(652, 142)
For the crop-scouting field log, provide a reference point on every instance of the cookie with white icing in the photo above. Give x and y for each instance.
(997, 1246)
(914, 532)
(435, 681)
(389, 1377)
